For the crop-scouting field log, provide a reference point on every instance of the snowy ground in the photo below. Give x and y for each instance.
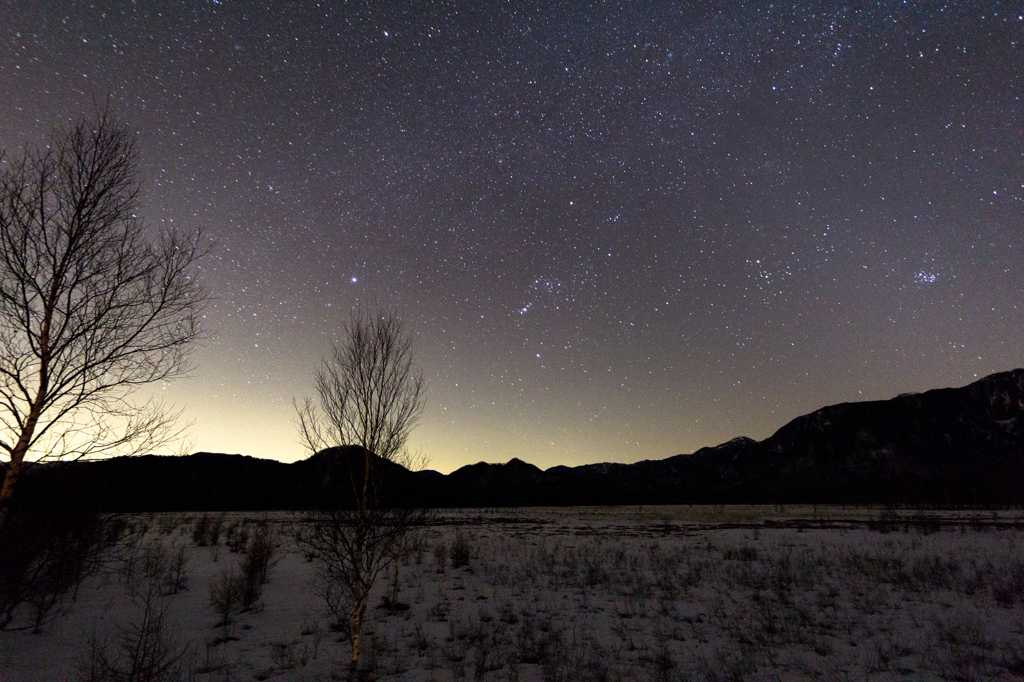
(659, 593)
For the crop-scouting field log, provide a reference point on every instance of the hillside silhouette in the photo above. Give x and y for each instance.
(948, 447)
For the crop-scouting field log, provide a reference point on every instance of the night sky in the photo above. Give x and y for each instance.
(615, 231)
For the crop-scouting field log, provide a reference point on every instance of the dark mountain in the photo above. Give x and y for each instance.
(207, 481)
(952, 446)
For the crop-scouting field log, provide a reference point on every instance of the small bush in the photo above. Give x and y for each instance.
(259, 554)
(285, 655)
(441, 555)
(176, 575)
(201, 531)
(237, 538)
(145, 650)
(153, 564)
(226, 597)
(460, 550)
(213, 534)
(1008, 588)
(169, 523)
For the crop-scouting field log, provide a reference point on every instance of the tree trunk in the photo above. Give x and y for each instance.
(21, 447)
(10, 479)
(357, 624)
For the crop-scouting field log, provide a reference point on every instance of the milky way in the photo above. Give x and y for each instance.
(615, 231)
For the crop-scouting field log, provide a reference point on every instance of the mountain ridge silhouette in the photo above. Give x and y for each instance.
(943, 447)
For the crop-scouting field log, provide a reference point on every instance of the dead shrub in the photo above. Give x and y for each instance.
(145, 650)
(460, 550)
(226, 596)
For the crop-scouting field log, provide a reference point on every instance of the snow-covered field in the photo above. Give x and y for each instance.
(659, 593)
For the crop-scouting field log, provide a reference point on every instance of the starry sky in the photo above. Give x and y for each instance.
(615, 231)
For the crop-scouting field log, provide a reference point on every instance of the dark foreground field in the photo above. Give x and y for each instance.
(606, 593)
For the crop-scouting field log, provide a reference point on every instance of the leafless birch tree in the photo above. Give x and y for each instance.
(369, 397)
(92, 304)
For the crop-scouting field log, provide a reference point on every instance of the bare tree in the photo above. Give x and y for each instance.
(370, 400)
(92, 305)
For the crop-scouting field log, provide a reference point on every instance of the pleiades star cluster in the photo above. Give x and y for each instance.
(615, 230)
